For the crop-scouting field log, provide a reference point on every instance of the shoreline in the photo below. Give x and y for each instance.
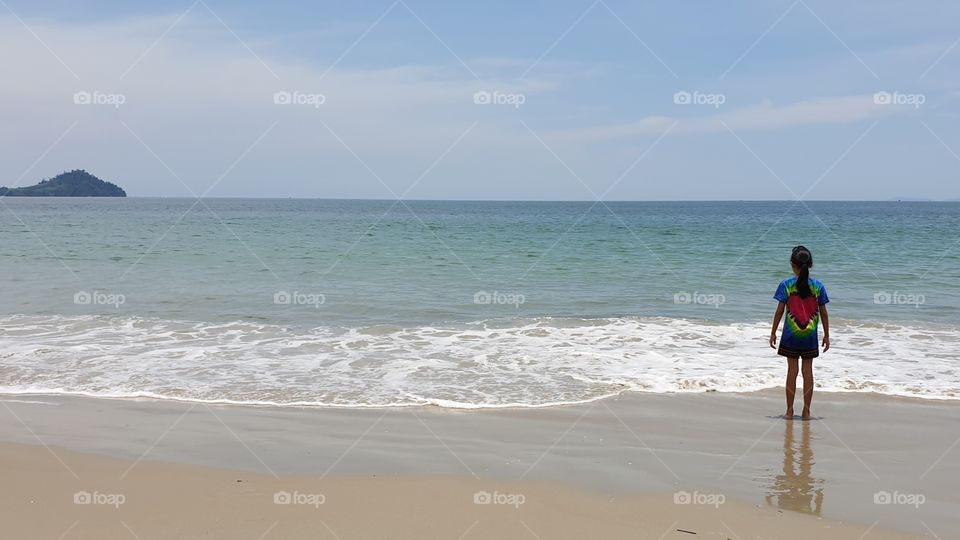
(16, 397)
(631, 445)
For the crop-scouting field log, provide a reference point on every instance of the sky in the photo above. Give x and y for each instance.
(494, 100)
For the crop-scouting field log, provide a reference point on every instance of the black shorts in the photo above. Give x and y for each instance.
(794, 353)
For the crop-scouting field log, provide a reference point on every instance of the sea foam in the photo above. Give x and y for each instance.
(485, 364)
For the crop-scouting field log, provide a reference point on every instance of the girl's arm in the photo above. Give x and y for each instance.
(826, 327)
(776, 324)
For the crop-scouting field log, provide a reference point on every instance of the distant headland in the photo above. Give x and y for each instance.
(75, 183)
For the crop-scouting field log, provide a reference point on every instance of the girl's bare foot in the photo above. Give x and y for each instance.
(789, 414)
(806, 414)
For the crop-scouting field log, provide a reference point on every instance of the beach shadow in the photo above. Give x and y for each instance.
(794, 417)
(796, 489)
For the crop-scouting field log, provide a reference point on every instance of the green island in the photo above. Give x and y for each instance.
(75, 183)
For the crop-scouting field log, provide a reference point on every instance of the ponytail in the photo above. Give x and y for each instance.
(803, 259)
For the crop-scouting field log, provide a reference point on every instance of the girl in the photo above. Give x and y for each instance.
(804, 300)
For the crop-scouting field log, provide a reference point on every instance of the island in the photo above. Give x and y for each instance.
(75, 183)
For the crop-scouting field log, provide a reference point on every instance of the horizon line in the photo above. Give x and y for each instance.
(378, 199)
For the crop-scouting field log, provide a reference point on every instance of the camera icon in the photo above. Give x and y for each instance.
(282, 298)
(82, 298)
(883, 98)
(282, 497)
(82, 497)
(882, 297)
(482, 497)
(282, 98)
(682, 98)
(482, 297)
(682, 497)
(882, 497)
(482, 97)
(82, 98)
(682, 298)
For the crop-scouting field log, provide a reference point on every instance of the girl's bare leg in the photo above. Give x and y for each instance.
(792, 371)
(807, 386)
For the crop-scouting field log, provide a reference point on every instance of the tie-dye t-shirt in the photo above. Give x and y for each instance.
(802, 315)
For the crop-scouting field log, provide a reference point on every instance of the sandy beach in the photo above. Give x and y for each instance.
(414, 270)
(638, 466)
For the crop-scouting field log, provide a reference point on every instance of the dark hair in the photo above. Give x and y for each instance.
(803, 259)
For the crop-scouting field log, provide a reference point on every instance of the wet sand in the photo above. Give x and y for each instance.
(635, 463)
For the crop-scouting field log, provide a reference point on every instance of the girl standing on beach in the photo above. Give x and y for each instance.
(804, 300)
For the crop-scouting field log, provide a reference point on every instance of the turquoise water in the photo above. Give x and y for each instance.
(354, 303)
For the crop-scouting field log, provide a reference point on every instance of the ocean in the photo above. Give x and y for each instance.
(340, 303)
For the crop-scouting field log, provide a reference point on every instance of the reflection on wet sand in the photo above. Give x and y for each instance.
(796, 489)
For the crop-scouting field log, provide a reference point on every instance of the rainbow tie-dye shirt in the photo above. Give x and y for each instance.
(802, 315)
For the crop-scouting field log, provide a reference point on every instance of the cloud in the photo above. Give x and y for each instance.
(762, 116)
(198, 97)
